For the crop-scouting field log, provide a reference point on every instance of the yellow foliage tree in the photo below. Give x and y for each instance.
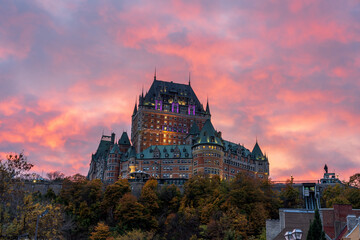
(101, 232)
(26, 218)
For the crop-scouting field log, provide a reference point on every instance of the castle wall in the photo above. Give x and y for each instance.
(42, 187)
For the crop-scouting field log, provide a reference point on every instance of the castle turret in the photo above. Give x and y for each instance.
(135, 109)
(207, 108)
(113, 165)
(124, 142)
(261, 162)
(208, 152)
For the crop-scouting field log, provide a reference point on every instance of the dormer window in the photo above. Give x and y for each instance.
(158, 105)
(175, 107)
(191, 110)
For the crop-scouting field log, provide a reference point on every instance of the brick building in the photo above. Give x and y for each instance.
(338, 222)
(172, 137)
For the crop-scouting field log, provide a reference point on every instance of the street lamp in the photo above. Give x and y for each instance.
(288, 235)
(297, 234)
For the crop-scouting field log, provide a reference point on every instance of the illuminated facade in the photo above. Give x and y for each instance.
(172, 137)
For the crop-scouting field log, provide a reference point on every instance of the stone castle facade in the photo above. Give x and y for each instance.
(172, 137)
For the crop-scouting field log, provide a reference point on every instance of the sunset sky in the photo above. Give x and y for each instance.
(286, 72)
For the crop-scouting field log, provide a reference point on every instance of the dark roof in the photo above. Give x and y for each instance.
(296, 218)
(104, 147)
(256, 152)
(207, 108)
(208, 135)
(132, 152)
(166, 152)
(135, 110)
(194, 130)
(168, 90)
(233, 147)
(124, 140)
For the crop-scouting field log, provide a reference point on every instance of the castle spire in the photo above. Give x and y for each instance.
(207, 107)
(135, 108)
(189, 78)
(155, 75)
(142, 92)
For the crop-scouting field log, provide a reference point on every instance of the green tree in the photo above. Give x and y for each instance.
(290, 195)
(353, 196)
(334, 195)
(315, 230)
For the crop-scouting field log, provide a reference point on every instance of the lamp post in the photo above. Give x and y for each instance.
(37, 221)
(296, 234)
(288, 235)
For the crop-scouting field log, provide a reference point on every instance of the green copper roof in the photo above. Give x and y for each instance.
(194, 130)
(233, 147)
(208, 135)
(256, 152)
(132, 152)
(166, 152)
(104, 147)
(124, 140)
(115, 149)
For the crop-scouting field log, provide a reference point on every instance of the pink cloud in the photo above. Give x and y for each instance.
(285, 72)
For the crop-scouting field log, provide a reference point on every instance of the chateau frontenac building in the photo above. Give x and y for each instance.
(172, 137)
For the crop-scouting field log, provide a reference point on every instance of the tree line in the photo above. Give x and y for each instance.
(208, 208)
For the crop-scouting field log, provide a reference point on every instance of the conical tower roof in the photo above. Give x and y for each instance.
(194, 130)
(124, 140)
(135, 109)
(256, 152)
(207, 107)
(208, 135)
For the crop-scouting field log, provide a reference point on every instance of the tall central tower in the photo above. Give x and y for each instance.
(165, 115)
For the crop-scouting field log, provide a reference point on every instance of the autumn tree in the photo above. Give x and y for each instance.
(271, 199)
(136, 234)
(101, 232)
(149, 196)
(341, 194)
(170, 197)
(334, 195)
(82, 203)
(113, 193)
(131, 214)
(290, 195)
(12, 192)
(26, 218)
